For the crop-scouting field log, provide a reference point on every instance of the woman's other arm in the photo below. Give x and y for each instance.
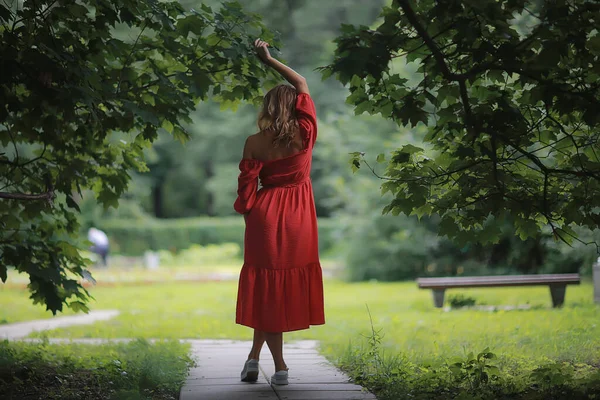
(294, 78)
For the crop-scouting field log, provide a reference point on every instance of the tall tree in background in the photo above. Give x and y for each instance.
(80, 102)
(511, 110)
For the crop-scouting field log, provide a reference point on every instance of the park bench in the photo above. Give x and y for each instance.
(557, 283)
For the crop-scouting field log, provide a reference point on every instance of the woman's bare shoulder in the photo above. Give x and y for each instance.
(253, 140)
(254, 144)
(261, 138)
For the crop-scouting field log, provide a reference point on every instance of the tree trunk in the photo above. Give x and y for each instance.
(157, 199)
(209, 172)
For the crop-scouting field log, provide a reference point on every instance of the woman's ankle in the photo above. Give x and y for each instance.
(281, 367)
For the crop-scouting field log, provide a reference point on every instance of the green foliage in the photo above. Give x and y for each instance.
(477, 370)
(86, 87)
(555, 374)
(460, 300)
(389, 249)
(200, 178)
(404, 247)
(472, 377)
(369, 364)
(509, 93)
(196, 255)
(137, 370)
(134, 237)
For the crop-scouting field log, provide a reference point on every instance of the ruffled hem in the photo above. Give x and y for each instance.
(280, 300)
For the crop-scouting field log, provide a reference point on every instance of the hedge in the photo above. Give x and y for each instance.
(134, 237)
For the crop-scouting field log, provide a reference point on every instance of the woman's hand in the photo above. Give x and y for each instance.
(297, 80)
(262, 49)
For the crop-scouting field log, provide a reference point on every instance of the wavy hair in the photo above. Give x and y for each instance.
(278, 114)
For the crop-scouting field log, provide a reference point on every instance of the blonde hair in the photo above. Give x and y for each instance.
(278, 114)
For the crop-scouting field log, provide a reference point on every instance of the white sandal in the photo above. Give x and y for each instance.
(279, 378)
(250, 371)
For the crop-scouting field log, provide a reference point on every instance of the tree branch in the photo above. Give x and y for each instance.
(464, 97)
(49, 195)
(439, 56)
(126, 63)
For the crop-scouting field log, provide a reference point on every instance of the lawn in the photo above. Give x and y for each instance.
(407, 319)
(410, 351)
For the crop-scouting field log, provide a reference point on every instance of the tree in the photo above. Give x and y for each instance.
(200, 177)
(511, 109)
(80, 100)
(189, 179)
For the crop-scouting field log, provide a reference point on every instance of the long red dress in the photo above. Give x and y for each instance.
(281, 285)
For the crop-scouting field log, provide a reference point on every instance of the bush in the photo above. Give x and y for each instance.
(212, 254)
(134, 237)
(389, 248)
(460, 300)
(392, 248)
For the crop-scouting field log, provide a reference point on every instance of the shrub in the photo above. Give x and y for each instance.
(459, 300)
(388, 249)
(212, 254)
(134, 237)
(400, 247)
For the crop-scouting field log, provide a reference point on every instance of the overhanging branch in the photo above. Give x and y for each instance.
(49, 195)
(437, 53)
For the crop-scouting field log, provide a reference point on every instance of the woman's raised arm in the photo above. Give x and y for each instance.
(294, 78)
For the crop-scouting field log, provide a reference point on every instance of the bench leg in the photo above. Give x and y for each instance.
(558, 294)
(438, 297)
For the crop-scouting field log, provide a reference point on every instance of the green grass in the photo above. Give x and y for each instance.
(409, 322)
(135, 370)
(21, 307)
(417, 341)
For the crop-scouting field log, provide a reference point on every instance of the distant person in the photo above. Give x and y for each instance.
(281, 284)
(99, 243)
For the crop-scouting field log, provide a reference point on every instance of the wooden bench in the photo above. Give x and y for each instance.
(557, 283)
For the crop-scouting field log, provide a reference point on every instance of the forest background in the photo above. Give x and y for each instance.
(186, 197)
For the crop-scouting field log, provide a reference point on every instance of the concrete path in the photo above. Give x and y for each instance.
(312, 377)
(21, 329)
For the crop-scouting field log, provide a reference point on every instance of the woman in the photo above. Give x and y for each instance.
(281, 285)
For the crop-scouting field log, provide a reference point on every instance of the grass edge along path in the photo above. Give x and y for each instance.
(136, 369)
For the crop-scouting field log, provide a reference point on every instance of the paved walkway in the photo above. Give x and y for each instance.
(312, 377)
(21, 329)
(217, 376)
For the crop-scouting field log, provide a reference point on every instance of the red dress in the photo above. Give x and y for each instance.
(281, 285)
